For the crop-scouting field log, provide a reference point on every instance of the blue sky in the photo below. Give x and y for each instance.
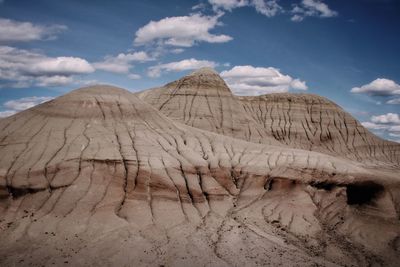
(344, 50)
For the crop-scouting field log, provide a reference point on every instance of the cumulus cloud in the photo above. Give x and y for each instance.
(186, 64)
(228, 4)
(65, 66)
(26, 102)
(122, 62)
(379, 87)
(249, 80)
(23, 68)
(268, 8)
(311, 8)
(388, 123)
(395, 129)
(183, 31)
(395, 101)
(53, 81)
(389, 118)
(16, 31)
(374, 126)
(14, 106)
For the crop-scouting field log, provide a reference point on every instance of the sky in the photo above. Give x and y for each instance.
(347, 51)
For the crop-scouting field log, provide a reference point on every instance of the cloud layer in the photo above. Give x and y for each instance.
(14, 106)
(312, 8)
(379, 87)
(249, 80)
(15, 31)
(122, 63)
(268, 8)
(388, 123)
(183, 31)
(23, 68)
(186, 64)
(389, 118)
(383, 88)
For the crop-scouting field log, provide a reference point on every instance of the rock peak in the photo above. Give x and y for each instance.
(205, 71)
(201, 80)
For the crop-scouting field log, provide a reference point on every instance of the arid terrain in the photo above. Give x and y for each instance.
(189, 174)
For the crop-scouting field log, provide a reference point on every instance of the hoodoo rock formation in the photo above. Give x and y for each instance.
(191, 175)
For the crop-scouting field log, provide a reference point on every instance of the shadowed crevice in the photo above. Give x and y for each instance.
(363, 193)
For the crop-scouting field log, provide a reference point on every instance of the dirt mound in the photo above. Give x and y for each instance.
(99, 176)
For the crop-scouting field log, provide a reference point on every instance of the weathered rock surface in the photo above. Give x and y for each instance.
(100, 177)
(203, 100)
(303, 121)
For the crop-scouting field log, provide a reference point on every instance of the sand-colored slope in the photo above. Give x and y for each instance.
(305, 121)
(203, 100)
(99, 177)
(314, 123)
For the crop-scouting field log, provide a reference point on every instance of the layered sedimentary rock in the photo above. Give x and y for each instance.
(302, 121)
(315, 123)
(203, 100)
(99, 176)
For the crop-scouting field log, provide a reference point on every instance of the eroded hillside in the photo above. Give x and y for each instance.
(189, 174)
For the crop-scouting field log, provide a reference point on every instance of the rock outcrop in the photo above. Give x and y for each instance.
(314, 123)
(302, 121)
(203, 100)
(195, 176)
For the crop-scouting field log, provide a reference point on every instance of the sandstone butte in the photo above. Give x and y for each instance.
(189, 174)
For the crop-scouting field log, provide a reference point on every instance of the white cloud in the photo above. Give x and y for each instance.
(186, 64)
(134, 76)
(184, 31)
(26, 102)
(395, 101)
(297, 18)
(52, 81)
(249, 80)
(228, 4)
(379, 87)
(122, 62)
(374, 126)
(15, 31)
(312, 8)
(60, 66)
(200, 6)
(14, 106)
(395, 128)
(298, 84)
(389, 118)
(268, 8)
(386, 123)
(23, 68)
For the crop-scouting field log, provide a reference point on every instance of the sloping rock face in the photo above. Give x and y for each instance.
(100, 177)
(314, 123)
(301, 121)
(203, 100)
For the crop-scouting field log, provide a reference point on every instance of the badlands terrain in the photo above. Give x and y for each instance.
(189, 174)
